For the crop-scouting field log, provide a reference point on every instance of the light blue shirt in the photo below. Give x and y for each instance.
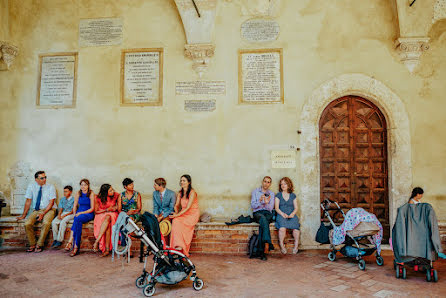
(66, 204)
(48, 194)
(256, 205)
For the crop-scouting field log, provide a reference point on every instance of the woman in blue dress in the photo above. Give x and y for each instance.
(286, 208)
(84, 210)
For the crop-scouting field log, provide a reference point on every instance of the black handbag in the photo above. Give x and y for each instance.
(322, 235)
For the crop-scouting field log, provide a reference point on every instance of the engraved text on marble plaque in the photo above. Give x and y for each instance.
(260, 30)
(100, 32)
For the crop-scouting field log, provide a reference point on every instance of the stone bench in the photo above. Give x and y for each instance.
(213, 237)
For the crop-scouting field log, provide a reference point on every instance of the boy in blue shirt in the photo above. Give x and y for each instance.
(65, 214)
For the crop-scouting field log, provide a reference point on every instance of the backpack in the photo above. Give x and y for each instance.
(322, 234)
(254, 246)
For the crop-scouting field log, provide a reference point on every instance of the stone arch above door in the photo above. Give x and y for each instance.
(399, 144)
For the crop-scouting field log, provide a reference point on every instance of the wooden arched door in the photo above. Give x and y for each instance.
(353, 157)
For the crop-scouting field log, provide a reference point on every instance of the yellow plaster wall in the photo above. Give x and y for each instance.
(226, 152)
(4, 19)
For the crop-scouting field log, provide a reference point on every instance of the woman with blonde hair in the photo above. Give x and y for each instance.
(286, 208)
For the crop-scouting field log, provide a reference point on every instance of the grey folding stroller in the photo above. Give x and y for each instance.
(170, 266)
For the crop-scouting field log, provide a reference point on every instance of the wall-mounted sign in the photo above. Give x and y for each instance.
(142, 77)
(260, 76)
(283, 159)
(57, 80)
(100, 32)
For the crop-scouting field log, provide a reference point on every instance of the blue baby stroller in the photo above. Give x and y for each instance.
(357, 242)
(169, 267)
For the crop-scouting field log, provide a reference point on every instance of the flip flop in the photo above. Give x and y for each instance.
(31, 249)
(38, 249)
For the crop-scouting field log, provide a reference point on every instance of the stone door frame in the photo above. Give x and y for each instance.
(398, 143)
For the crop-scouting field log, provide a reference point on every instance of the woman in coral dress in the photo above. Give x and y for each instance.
(105, 217)
(184, 220)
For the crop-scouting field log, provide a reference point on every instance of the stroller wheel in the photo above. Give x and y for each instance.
(379, 261)
(198, 284)
(404, 273)
(332, 256)
(141, 282)
(149, 290)
(361, 264)
(428, 276)
(434, 275)
(397, 270)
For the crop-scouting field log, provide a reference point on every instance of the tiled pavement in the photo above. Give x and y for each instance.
(309, 274)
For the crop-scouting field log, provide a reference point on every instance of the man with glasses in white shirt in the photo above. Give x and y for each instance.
(41, 198)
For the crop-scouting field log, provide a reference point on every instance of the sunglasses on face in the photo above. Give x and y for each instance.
(42, 178)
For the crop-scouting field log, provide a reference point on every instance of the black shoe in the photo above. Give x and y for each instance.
(263, 258)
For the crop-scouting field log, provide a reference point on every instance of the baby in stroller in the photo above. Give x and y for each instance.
(169, 267)
(361, 233)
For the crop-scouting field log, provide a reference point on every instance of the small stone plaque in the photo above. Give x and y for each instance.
(200, 105)
(100, 32)
(200, 87)
(283, 159)
(260, 30)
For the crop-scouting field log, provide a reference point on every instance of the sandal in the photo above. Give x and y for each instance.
(105, 253)
(295, 251)
(31, 249)
(38, 249)
(68, 246)
(96, 247)
(75, 252)
(283, 250)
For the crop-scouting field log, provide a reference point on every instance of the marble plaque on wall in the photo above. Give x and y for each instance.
(260, 30)
(260, 76)
(200, 87)
(142, 77)
(57, 80)
(283, 159)
(200, 105)
(100, 32)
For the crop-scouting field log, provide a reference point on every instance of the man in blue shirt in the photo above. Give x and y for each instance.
(262, 204)
(40, 197)
(163, 200)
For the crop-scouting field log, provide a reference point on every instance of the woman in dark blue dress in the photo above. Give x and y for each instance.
(84, 210)
(286, 208)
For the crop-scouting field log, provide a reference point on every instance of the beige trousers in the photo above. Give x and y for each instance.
(59, 226)
(46, 225)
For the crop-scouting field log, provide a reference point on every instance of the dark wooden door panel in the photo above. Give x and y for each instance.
(353, 157)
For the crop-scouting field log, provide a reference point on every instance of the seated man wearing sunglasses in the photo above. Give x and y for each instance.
(41, 198)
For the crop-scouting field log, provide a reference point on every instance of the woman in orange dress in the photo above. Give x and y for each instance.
(105, 217)
(184, 220)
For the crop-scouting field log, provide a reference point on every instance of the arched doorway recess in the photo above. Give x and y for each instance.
(398, 144)
(353, 158)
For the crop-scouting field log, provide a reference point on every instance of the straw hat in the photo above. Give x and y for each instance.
(165, 227)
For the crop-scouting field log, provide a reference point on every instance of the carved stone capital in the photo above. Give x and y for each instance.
(8, 52)
(200, 54)
(410, 50)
